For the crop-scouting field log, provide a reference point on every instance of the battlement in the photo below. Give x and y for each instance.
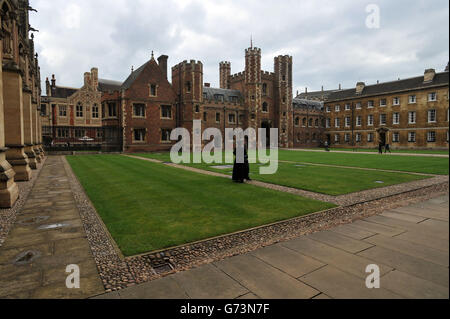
(192, 63)
(225, 63)
(238, 76)
(252, 51)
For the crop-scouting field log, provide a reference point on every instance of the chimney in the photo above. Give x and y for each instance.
(360, 87)
(207, 85)
(322, 88)
(87, 79)
(162, 61)
(53, 81)
(94, 77)
(446, 68)
(48, 91)
(429, 75)
(340, 86)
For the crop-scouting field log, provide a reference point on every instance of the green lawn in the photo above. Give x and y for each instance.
(373, 150)
(417, 164)
(326, 180)
(148, 206)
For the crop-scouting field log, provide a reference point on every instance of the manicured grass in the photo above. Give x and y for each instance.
(148, 206)
(373, 150)
(321, 179)
(417, 164)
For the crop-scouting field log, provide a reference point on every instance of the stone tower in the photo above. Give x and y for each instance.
(225, 73)
(187, 82)
(253, 86)
(283, 99)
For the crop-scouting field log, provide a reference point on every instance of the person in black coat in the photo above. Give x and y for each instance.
(241, 171)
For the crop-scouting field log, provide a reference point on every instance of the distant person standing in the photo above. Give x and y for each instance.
(387, 149)
(380, 148)
(327, 147)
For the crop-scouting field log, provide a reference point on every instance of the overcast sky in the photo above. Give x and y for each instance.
(329, 40)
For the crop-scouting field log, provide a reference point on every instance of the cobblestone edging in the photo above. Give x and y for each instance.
(118, 273)
(8, 216)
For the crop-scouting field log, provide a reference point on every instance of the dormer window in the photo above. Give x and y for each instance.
(219, 97)
(205, 96)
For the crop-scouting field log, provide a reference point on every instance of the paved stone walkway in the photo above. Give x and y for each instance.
(48, 235)
(409, 244)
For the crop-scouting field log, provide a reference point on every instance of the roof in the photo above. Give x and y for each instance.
(133, 76)
(62, 92)
(299, 103)
(108, 85)
(227, 94)
(317, 95)
(393, 86)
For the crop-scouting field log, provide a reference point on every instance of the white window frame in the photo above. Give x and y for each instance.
(411, 137)
(383, 119)
(370, 120)
(396, 118)
(359, 120)
(432, 97)
(412, 99)
(414, 114)
(348, 121)
(431, 136)
(432, 118)
(396, 101)
(381, 102)
(395, 137)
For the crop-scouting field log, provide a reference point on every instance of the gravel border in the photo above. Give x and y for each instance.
(118, 273)
(8, 216)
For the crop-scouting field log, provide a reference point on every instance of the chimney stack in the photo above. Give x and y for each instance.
(53, 81)
(94, 77)
(87, 79)
(340, 87)
(207, 85)
(162, 61)
(429, 75)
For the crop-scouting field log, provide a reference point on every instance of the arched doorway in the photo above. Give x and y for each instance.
(267, 125)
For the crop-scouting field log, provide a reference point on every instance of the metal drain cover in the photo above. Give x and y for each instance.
(33, 220)
(27, 257)
(162, 268)
(379, 182)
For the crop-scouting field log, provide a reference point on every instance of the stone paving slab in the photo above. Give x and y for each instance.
(427, 213)
(340, 241)
(405, 217)
(264, 280)
(165, 288)
(425, 240)
(440, 225)
(350, 263)
(432, 255)
(377, 228)
(352, 232)
(428, 230)
(341, 285)
(208, 282)
(408, 264)
(412, 287)
(287, 260)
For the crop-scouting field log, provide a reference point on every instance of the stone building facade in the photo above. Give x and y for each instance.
(408, 113)
(148, 107)
(20, 129)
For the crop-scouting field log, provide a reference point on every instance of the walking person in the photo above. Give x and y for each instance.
(241, 167)
(380, 148)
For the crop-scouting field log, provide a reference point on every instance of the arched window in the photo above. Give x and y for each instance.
(310, 122)
(304, 121)
(265, 107)
(297, 121)
(317, 123)
(264, 89)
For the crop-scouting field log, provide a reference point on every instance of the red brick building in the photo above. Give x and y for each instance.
(147, 107)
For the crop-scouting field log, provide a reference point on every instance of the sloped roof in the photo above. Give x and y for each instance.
(62, 92)
(299, 103)
(393, 86)
(133, 76)
(227, 94)
(321, 95)
(108, 85)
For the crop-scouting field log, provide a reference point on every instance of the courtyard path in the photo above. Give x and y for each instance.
(47, 237)
(359, 152)
(341, 200)
(410, 245)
